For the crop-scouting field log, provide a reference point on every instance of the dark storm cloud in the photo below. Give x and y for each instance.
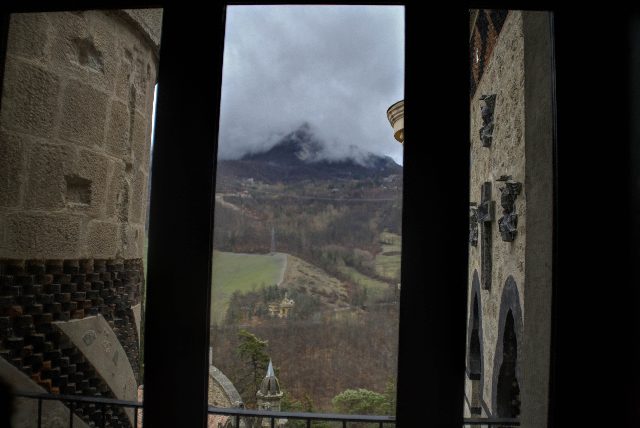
(337, 68)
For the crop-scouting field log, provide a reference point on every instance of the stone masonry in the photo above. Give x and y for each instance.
(75, 136)
(510, 263)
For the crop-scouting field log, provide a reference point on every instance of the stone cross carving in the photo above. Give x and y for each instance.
(508, 223)
(486, 112)
(485, 217)
(473, 224)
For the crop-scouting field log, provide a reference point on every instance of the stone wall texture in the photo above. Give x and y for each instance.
(75, 134)
(41, 304)
(517, 150)
(504, 76)
(221, 393)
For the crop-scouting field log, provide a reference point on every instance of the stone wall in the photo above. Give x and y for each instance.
(518, 154)
(75, 135)
(37, 301)
(485, 28)
(504, 77)
(75, 131)
(221, 393)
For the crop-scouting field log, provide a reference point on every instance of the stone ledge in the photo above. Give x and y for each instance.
(146, 21)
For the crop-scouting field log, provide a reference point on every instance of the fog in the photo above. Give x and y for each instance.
(337, 68)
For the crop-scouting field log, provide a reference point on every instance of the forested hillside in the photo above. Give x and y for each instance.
(338, 223)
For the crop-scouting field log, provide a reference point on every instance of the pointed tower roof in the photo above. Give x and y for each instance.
(270, 386)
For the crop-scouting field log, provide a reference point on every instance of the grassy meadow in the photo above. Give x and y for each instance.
(241, 272)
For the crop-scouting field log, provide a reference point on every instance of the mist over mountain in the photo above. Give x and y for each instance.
(301, 155)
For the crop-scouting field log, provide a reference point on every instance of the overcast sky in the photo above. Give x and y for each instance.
(337, 68)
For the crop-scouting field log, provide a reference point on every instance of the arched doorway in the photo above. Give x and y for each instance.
(475, 349)
(475, 362)
(475, 359)
(508, 394)
(507, 372)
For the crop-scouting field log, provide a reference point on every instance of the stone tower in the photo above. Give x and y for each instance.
(75, 135)
(269, 395)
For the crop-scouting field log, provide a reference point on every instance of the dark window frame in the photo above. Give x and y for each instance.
(182, 193)
(434, 277)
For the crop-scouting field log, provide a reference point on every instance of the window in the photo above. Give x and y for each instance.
(592, 99)
(307, 236)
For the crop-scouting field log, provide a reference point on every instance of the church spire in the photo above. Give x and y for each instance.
(270, 372)
(269, 395)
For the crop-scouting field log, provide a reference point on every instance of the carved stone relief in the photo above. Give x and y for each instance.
(486, 112)
(473, 224)
(508, 223)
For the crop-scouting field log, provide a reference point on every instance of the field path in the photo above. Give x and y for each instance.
(283, 270)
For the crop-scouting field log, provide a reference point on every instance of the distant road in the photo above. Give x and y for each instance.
(219, 197)
(322, 198)
(283, 269)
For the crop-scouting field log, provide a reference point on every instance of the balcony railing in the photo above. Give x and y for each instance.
(74, 402)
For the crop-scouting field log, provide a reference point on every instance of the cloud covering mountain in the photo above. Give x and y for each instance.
(336, 68)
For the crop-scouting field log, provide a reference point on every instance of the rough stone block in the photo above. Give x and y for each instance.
(84, 111)
(27, 35)
(86, 267)
(100, 265)
(133, 242)
(70, 287)
(138, 209)
(44, 279)
(136, 75)
(71, 267)
(46, 185)
(93, 169)
(150, 20)
(25, 279)
(140, 141)
(117, 205)
(93, 276)
(34, 289)
(102, 239)
(54, 308)
(34, 309)
(42, 235)
(29, 99)
(54, 266)
(118, 132)
(84, 46)
(53, 288)
(63, 297)
(125, 70)
(35, 266)
(12, 169)
(45, 299)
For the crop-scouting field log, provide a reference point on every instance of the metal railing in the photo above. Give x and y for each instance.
(491, 422)
(74, 401)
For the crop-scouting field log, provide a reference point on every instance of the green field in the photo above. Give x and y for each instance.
(375, 288)
(241, 272)
(388, 260)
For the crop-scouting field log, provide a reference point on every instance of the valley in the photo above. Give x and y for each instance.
(321, 239)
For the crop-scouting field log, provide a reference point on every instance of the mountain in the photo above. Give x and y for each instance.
(299, 156)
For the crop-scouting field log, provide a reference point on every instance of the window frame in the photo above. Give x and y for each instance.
(186, 102)
(430, 385)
